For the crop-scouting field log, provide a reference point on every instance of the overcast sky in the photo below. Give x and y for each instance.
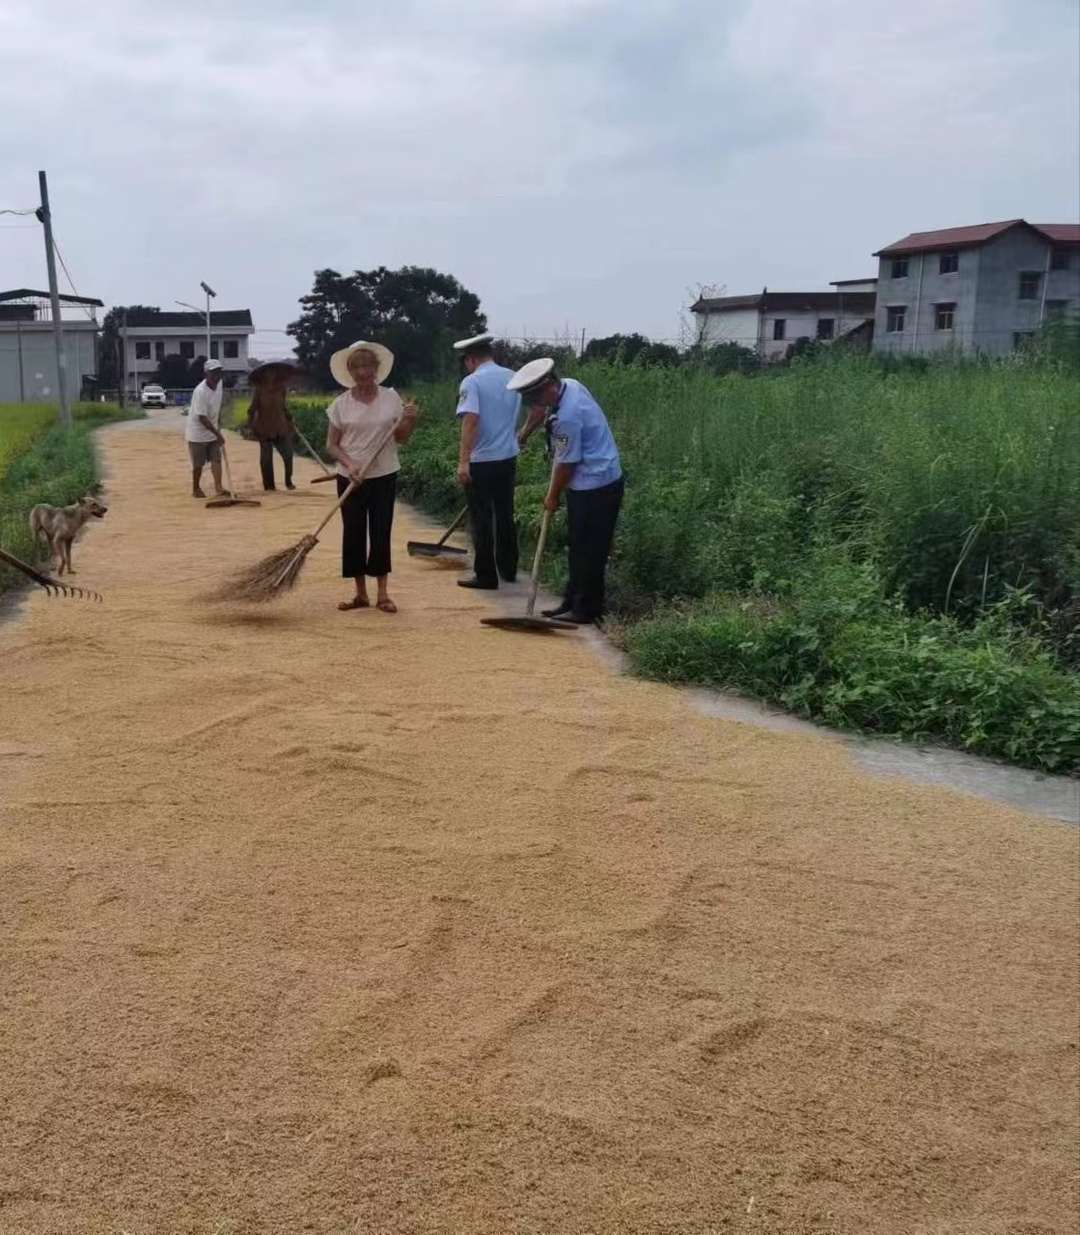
(579, 164)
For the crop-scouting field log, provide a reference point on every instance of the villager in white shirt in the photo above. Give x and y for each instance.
(202, 430)
(360, 420)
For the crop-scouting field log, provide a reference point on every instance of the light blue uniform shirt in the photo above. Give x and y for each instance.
(581, 436)
(483, 392)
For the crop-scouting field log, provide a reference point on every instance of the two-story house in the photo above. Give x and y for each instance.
(979, 289)
(150, 336)
(770, 322)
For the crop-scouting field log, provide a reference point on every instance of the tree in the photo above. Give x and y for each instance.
(110, 366)
(416, 312)
(173, 372)
(514, 355)
(631, 349)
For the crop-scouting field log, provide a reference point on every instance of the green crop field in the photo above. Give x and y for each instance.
(20, 424)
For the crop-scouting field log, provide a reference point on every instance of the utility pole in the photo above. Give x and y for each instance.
(582, 352)
(122, 369)
(22, 381)
(45, 218)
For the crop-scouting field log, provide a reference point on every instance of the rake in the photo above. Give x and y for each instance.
(230, 498)
(440, 549)
(541, 625)
(327, 473)
(274, 575)
(53, 586)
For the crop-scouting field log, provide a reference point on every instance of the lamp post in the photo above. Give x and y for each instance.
(210, 293)
(205, 312)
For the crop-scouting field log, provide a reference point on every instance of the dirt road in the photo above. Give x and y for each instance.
(362, 923)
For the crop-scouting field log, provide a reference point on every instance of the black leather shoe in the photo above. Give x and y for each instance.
(482, 584)
(508, 578)
(559, 612)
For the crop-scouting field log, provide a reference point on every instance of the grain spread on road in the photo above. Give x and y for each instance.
(348, 922)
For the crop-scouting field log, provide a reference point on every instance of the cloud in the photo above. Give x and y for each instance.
(576, 162)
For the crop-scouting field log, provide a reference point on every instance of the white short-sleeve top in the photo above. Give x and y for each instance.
(363, 426)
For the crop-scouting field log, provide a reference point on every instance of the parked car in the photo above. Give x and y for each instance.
(154, 396)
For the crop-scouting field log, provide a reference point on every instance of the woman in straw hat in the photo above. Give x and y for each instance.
(359, 421)
(269, 419)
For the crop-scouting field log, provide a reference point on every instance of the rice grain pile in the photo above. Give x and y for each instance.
(347, 922)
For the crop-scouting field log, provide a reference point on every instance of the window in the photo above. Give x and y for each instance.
(214, 350)
(187, 349)
(142, 351)
(900, 268)
(232, 349)
(159, 351)
(1030, 281)
(779, 328)
(949, 263)
(1020, 337)
(943, 318)
(1059, 258)
(894, 321)
(825, 327)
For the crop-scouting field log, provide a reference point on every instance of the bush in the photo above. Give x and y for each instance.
(837, 651)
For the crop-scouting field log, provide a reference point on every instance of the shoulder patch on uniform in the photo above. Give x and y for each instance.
(562, 443)
(462, 397)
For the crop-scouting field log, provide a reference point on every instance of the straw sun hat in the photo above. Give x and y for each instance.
(339, 362)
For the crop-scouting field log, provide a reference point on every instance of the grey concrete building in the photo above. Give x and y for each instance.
(28, 347)
(151, 335)
(978, 289)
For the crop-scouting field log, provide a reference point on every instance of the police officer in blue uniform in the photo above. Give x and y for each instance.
(587, 467)
(487, 461)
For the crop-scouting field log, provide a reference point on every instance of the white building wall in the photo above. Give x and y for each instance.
(732, 326)
(36, 342)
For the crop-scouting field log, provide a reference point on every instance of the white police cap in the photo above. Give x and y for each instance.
(479, 340)
(535, 373)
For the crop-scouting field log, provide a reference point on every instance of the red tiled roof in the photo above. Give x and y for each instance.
(1060, 233)
(948, 238)
(970, 237)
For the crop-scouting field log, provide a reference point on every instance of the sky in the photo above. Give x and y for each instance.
(582, 165)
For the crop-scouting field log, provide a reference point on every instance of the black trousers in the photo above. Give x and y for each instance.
(284, 445)
(591, 518)
(366, 522)
(490, 495)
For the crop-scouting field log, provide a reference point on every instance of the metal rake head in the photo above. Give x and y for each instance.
(55, 588)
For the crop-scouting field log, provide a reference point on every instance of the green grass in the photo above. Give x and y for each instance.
(20, 424)
(50, 465)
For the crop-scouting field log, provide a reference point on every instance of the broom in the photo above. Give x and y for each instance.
(278, 573)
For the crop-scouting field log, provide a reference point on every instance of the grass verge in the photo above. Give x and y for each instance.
(55, 466)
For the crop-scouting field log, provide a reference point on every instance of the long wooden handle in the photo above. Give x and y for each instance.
(328, 474)
(355, 484)
(29, 571)
(451, 529)
(531, 606)
(228, 472)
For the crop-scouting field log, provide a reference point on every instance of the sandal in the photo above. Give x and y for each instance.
(357, 602)
(386, 606)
